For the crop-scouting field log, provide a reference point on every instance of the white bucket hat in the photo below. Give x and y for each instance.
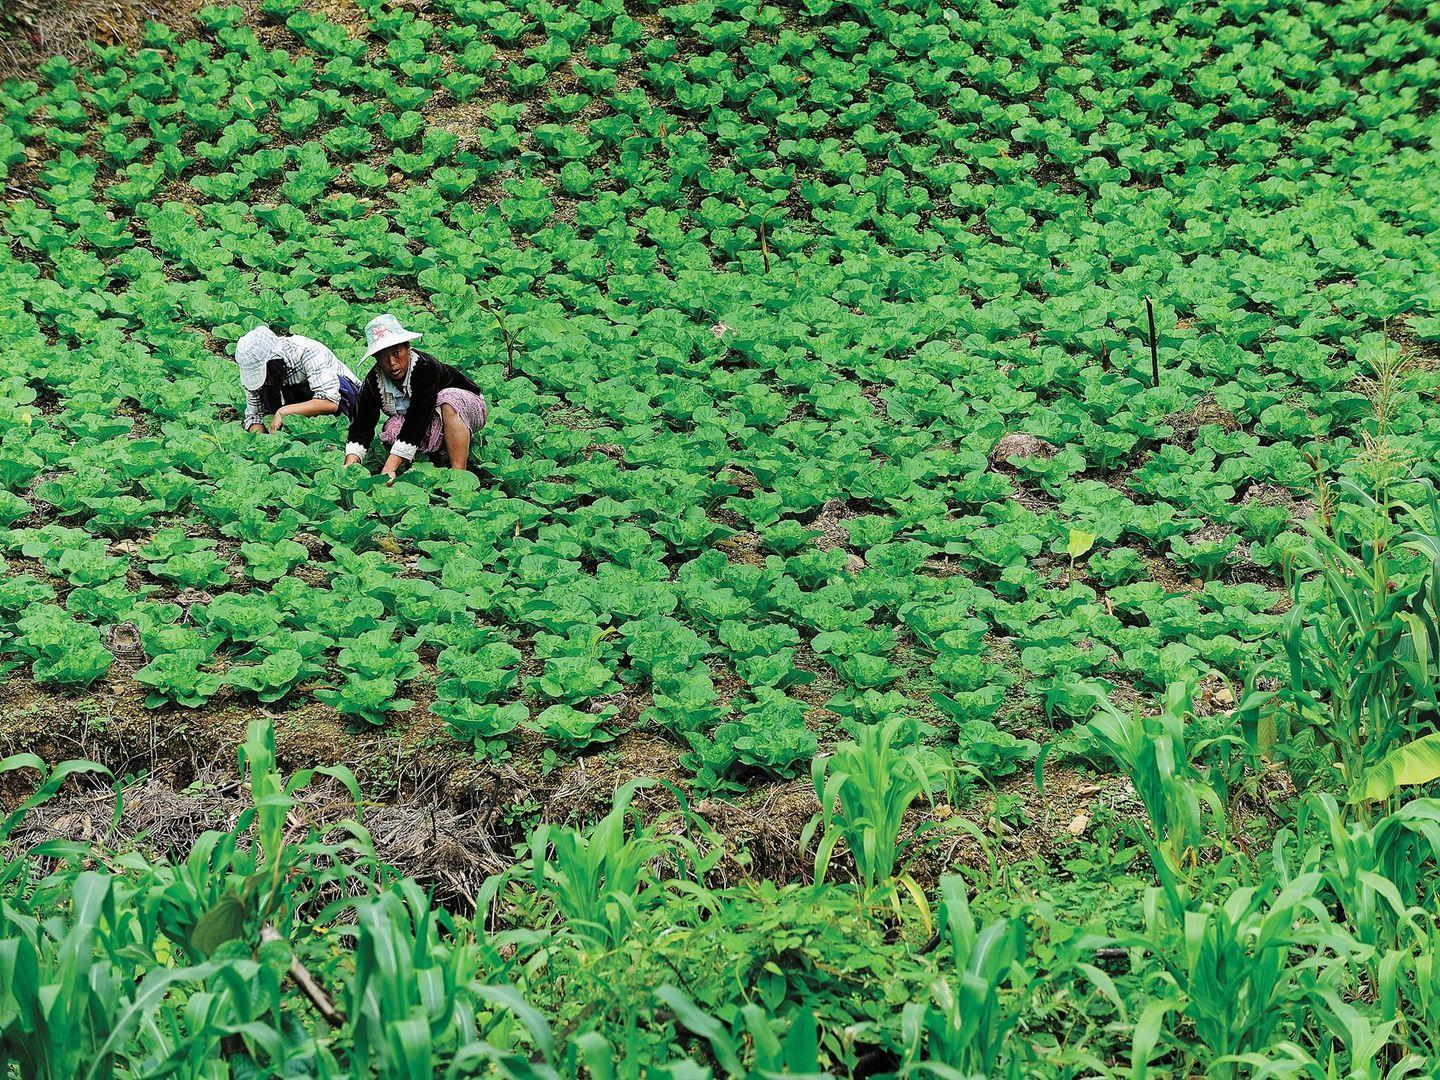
(253, 353)
(384, 331)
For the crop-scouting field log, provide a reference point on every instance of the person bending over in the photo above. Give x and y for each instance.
(291, 376)
(427, 404)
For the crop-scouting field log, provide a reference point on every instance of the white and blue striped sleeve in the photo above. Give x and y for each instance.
(322, 371)
(254, 410)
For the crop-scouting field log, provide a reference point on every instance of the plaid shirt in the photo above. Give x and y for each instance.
(307, 362)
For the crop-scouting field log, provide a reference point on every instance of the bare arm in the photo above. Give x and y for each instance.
(392, 466)
(313, 407)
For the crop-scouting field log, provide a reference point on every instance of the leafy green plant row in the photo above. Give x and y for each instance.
(783, 267)
(282, 952)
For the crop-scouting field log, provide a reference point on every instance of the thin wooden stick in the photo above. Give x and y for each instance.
(1154, 344)
(301, 977)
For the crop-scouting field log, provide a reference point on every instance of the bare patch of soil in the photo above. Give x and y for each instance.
(1164, 574)
(830, 524)
(1030, 497)
(451, 849)
(344, 13)
(1019, 445)
(766, 827)
(434, 811)
(743, 547)
(1187, 423)
(1039, 823)
(1277, 495)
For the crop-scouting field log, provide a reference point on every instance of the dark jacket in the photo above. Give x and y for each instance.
(425, 379)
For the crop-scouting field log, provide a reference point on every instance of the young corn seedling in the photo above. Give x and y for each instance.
(509, 342)
(779, 1048)
(1240, 971)
(1378, 872)
(966, 1027)
(864, 789)
(227, 889)
(77, 997)
(410, 994)
(1408, 985)
(601, 879)
(1184, 812)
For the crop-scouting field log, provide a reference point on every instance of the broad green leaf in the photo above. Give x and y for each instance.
(223, 922)
(1417, 762)
(1079, 543)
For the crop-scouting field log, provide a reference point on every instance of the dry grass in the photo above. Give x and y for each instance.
(32, 30)
(449, 849)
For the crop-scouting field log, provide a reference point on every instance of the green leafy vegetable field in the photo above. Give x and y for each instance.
(873, 388)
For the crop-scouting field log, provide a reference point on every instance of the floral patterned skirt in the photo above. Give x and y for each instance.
(470, 408)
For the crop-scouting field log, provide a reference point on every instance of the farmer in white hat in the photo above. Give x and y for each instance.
(429, 405)
(291, 376)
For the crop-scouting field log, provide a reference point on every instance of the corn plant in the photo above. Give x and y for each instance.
(417, 1008)
(550, 1058)
(1241, 971)
(249, 1002)
(790, 1047)
(79, 995)
(1380, 873)
(1184, 812)
(1362, 668)
(864, 789)
(976, 1000)
(234, 882)
(1408, 985)
(409, 1001)
(1365, 1050)
(599, 879)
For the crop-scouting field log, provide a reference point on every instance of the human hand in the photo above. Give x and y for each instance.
(391, 469)
(256, 429)
(352, 459)
(276, 424)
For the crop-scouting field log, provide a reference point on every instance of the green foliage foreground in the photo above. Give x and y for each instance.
(1301, 943)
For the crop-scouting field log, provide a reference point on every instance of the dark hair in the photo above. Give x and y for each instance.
(272, 390)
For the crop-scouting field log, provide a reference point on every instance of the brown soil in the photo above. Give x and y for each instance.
(830, 524)
(1019, 445)
(435, 813)
(1164, 573)
(1186, 425)
(344, 13)
(743, 547)
(412, 764)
